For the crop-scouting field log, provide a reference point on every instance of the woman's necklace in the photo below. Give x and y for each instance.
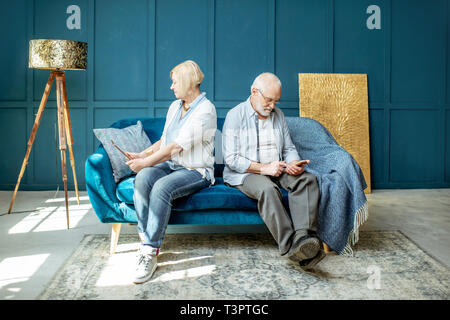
(185, 105)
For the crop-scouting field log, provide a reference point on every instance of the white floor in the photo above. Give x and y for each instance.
(35, 241)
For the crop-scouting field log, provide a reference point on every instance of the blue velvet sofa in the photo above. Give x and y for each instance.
(215, 205)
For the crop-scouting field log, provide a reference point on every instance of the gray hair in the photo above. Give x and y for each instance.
(264, 79)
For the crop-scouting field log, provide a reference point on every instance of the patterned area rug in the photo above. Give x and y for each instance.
(386, 265)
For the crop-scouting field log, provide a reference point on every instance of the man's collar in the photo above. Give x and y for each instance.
(250, 111)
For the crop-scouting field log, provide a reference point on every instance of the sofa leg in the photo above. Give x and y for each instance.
(115, 232)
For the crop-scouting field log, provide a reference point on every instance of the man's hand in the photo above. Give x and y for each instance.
(295, 170)
(136, 164)
(274, 168)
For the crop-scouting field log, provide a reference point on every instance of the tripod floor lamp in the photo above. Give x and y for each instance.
(56, 55)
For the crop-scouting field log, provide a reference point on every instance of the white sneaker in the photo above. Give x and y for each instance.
(146, 264)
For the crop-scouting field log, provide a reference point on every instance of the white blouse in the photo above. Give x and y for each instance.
(196, 137)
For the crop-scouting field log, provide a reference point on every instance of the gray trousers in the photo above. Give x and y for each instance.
(303, 196)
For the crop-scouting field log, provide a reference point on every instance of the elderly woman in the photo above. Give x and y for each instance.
(179, 164)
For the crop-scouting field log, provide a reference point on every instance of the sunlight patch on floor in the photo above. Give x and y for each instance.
(32, 220)
(119, 269)
(70, 199)
(126, 247)
(58, 220)
(15, 270)
(173, 262)
(187, 273)
(51, 218)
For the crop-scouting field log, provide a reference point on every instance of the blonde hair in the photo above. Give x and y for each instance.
(189, 75)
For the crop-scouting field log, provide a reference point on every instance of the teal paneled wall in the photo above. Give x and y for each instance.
(133, 45)
(377, 134)
(242, 46)
(13, 23)
(181, 33)
(121, 50)
(412, 135)
(447, 146)
(360, 50)
(13, 142)
(306, 47)
(416, 37)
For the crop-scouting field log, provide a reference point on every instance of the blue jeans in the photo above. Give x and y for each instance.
(155, 188)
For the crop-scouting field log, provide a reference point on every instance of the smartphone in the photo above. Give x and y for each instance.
(302, 162)
(123, 152)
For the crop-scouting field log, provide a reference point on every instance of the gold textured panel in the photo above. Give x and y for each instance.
(57, 54)
(340, 103)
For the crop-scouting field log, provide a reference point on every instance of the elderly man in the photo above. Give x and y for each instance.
(260, 157)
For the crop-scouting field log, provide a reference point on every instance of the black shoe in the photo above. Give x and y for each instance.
(309, 264)
(304, 248)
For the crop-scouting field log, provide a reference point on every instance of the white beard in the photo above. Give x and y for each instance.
(265, 112)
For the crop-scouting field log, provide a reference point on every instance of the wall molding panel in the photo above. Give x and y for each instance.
(132, 45)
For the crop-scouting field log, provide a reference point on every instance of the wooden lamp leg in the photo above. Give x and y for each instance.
(37, 121)
(62, 137)
(69, 135)
(64, 172)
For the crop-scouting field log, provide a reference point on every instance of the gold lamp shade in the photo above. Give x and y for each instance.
(57, 54)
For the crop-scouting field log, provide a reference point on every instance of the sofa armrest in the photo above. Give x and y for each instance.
(101, 187)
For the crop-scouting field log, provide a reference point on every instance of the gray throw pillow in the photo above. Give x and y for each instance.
(131, 139)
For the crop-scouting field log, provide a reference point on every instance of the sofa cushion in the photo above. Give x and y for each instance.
(153, 127)
(125, 190)
(132, 139)
(218, 196)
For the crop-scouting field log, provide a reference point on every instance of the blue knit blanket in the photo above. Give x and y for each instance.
(343, 204)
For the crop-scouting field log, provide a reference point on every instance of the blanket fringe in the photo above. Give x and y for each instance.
(361, 216)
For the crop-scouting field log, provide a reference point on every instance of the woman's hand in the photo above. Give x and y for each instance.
(136, 155)
(136, 164)
(132, 155)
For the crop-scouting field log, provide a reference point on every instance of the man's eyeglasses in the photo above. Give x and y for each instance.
(268, 100)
